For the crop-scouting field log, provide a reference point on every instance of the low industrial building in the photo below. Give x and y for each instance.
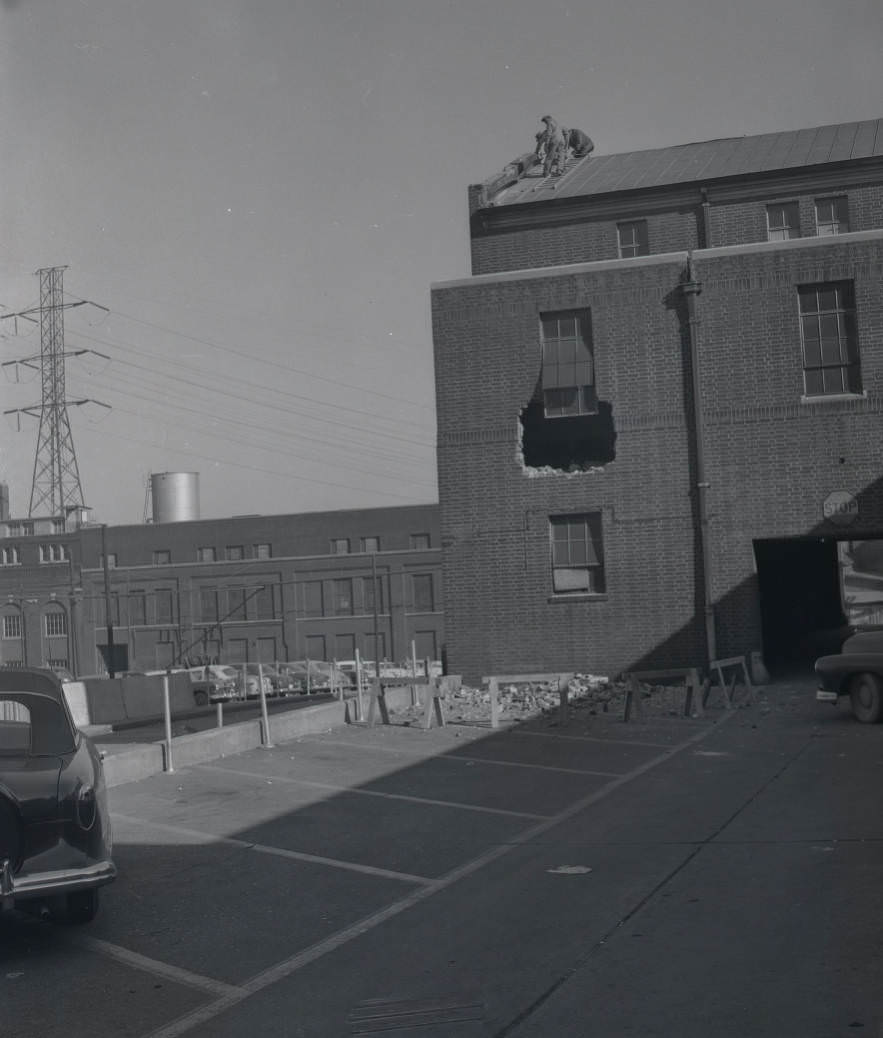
(659, 406)
(320, 585)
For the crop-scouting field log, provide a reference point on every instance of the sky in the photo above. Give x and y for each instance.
(262, 194)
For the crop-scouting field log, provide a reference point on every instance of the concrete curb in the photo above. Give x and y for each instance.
(140, 761)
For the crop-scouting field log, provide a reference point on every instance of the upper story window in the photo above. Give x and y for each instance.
(313, 604)
(111, 560)
(422, 597)
(263, 551)
(10, 556)
(234, 553)
(343, 597)
(208, 603)
(832, 216)
(577, 553)
(633, 240)
(136, 604)
(57, 526)
(53, 552)
(12, 625)
(162, 557)
(163, 605)
(783, 221)
(55, 624)
(568, 364)
(18, 529)
(236, 603)
(370, 544)
(205, 555)
(419, 541)
(830, 339)
(340, 546)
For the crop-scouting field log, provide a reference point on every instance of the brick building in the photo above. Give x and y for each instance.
(240, 589)
(659, 404)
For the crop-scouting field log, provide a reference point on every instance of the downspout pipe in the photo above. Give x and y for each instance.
(692, 289)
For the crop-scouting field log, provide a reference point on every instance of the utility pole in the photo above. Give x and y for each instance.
(111, 670)
(56, 486)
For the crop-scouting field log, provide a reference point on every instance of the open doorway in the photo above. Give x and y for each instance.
(800, 603)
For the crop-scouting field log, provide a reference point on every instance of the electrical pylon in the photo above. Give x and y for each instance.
(56, 485)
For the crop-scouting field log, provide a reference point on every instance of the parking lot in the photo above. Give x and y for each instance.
(360, 878)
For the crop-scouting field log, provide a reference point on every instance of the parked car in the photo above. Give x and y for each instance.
(213, 683)
(282, 683)
(856, 671)
(253, 680)
(55, 832)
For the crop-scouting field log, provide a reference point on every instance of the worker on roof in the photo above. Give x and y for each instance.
(551, 147)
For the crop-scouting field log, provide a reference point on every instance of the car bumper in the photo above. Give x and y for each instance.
(824, 695)
(51, 884)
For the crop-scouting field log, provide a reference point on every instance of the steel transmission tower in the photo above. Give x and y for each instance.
(56, 485)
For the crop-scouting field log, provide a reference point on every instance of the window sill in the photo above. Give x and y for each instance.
(824, 398)
(587, 596)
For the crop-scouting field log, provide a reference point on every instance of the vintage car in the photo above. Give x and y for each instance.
(856, 671)
(55, 831)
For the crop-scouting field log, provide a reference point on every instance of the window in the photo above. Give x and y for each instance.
(422, 600)
(162, 558)
(114, 610)
(370, 651)
(137, 606)
(425, 646)
(236, 600)
(577, 554)
(340, 546)
(370, 544)
(234, 553)
(55, 624)
(343, 597)
(27, 529)
(13, 529)
(368, 584)
(53, 552)
(11, 556)
(111, 560)
(633, 238)
(263, 551)
(205, 555)
(57, 526)
(830, 341)
(12, 625)
(832, 216)
(208, 604)
(264, 603)
(314, 646)
(783, 221)
(568, 376)
(420, 541)
(163, 602)
(344, 646)
(313, 604)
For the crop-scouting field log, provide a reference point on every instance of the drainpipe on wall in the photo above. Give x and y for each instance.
(691, 290)
(706, 219)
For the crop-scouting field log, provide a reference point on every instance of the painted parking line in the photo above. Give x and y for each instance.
(287, 967)
(475, 760)
(592, 738)
(159, 969)
(331, 787)
(261, 848)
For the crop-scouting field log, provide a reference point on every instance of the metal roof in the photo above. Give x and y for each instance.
(703, 162)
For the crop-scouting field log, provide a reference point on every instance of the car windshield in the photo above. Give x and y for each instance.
(33, 725)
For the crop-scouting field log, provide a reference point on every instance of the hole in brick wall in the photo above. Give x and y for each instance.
(571, 444)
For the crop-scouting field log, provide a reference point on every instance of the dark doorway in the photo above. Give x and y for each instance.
(120, 658)
(801, 610)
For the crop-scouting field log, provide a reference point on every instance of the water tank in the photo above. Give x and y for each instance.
(175, 496)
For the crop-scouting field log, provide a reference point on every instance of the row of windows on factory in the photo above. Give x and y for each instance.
(347, 596)
(783, 223)
(10, 554)
(828, 332)
(238, 553)
(54, 625)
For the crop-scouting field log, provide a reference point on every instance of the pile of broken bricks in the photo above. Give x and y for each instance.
(589, 694)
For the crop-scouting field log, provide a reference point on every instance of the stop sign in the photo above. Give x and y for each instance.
(841, 507)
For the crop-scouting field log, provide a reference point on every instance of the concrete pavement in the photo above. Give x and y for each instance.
(674, 877)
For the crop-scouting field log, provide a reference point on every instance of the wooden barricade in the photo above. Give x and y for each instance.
(695, 692)
(738, 666)
(436, 689)
(493, 682)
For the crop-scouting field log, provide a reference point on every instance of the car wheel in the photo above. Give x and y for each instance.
(201, 698)
(80, 907)
(866, 694)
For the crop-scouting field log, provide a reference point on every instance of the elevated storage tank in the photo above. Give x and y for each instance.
(175, 496)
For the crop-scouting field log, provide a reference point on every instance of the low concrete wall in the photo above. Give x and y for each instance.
(135, 698)
(130, 763)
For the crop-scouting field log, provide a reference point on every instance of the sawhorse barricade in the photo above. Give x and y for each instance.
(740, 668)
(436, 689)
(563, 680)
(694, 691)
